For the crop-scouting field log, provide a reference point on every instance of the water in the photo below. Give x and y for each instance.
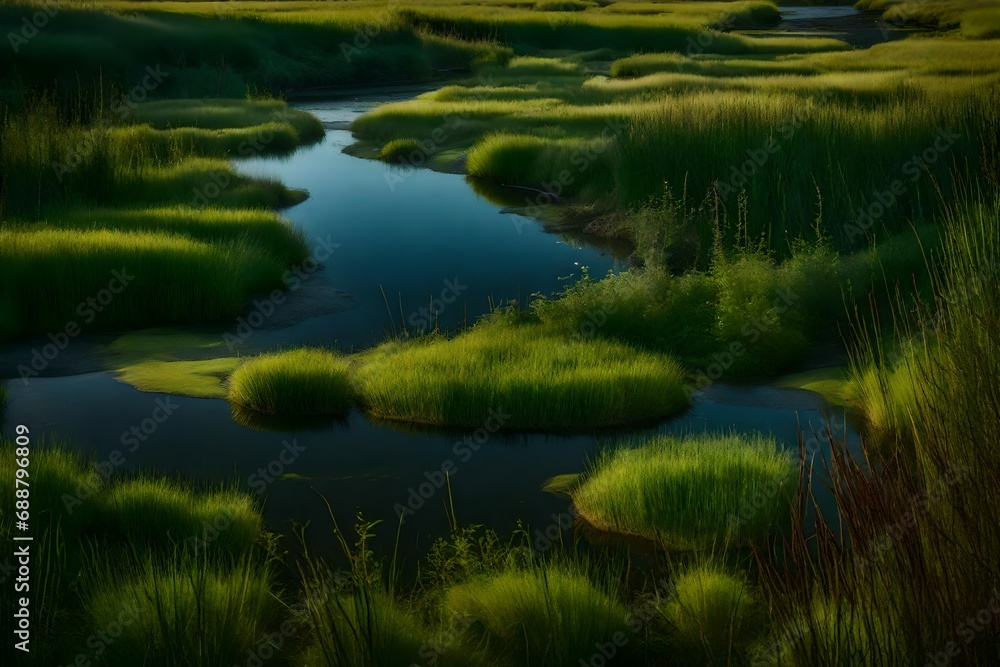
(423, 241)
(817, 12)
(409, 241)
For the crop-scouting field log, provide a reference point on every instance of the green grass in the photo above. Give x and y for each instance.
(547, 615)
(691, 493)
(538, 380)
(203, 378)
(830, 383)
(830, 630)
(303, 381)
(745, 315)
(258, 228)
(976, 19)
(4, 398)
(771, 133)
(540, 164)
(366, 631)
(228, 114)
(156, 513)
(189, 610)
(712, 615)
(405, 151)
(112, 555)
(103, 279)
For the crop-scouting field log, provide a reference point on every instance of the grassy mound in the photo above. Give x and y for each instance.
(405, 151)
(546, 617)
(689, 493)
(712, 614)
(301, 381)
(537, 380)
(227, 114)
(102, 278)
(152, 510)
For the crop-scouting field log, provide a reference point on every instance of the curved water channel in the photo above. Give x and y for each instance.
(408, 241)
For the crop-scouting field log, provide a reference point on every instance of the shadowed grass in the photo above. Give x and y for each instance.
(183, 610)
(365, 630)
(690, 493)
(547, 615)
(538, 380)
(303, 381)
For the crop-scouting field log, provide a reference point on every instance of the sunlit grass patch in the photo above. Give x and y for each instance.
(711, 614)
(103, 279)
(157, 512)
(406, 151)
(538, 380)
(223, 114)
(690, 493)
(56, 474)
(303, 381)
(264, 229)
(557, 166)
(267, 139)
(203, 378)
(548, 615)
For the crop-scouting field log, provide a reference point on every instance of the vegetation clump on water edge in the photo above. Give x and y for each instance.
(693, 493)
(298, 382)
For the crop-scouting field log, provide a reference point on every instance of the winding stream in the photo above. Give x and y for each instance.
(407, 241)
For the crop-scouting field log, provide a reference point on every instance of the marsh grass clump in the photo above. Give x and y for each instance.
(303, 381)
(184, 609)
(549, 615)
(363, 629)
(58, 478)
(104, 278)
(403, 151)
(712, 615)
(260, 228)
(254, 116)
(541, 164)
(690, 493)
(157, 512)
(537, 379)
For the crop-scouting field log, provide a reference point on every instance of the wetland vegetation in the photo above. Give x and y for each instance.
(790, 201)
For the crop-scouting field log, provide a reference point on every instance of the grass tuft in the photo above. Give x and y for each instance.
(712, 615)
(303, 381)
(546, 616)
(691, 493)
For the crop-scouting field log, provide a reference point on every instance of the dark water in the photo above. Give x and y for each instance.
(414, 238)
(374, 469)
(817, 12)
(410, 240)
